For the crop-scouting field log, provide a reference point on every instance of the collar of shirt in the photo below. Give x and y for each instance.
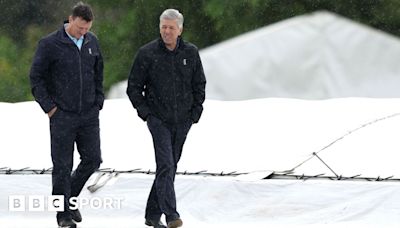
(77, 42)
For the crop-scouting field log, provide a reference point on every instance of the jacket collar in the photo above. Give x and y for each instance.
(63, 36)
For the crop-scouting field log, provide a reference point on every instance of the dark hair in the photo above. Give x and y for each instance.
(83, 11)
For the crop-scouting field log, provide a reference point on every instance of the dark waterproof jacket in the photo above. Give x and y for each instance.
(64, 76)
(169, 85)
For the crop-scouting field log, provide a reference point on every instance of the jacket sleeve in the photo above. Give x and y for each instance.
(99, 66)
(39, 77)
(136, 85)
(198, 88)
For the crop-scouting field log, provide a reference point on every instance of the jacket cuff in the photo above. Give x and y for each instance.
(143, 112)
(196, 115)
(47, 106)
(100, 104)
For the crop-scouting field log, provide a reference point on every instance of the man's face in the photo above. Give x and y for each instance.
(170, 31)
(78, 27)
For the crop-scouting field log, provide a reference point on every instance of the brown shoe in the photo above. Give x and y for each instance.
(175, 223)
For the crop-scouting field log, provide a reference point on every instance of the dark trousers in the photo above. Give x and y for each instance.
(66, 129)
(168, 142)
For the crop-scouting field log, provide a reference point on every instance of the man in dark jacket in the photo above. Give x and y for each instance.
(167, 87)
(66, 79)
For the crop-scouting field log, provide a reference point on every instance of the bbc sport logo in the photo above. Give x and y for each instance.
(56, 203)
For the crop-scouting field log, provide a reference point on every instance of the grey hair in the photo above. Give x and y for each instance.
(172, 14)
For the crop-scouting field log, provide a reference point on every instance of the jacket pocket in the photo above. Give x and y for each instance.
(185, 66)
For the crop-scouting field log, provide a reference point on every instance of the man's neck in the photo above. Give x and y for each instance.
(68, 30)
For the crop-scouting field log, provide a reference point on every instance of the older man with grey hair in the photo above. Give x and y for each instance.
(167, 88)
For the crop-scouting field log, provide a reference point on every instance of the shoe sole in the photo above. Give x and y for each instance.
(77, 221)
(156, 226)
(71, 226)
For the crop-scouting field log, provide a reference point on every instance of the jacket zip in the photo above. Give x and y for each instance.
(80, 73)
(174, 86)
(80, 79)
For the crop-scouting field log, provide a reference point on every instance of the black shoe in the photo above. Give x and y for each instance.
(175, 223)
(76, 215)
(154, 223)
(66, 223)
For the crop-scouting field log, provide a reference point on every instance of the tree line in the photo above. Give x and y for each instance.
(122, 26)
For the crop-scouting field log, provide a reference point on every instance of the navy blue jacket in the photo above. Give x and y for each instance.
(169, 85)
(64, 76)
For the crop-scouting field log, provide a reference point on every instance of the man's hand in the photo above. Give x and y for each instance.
(52, 111)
